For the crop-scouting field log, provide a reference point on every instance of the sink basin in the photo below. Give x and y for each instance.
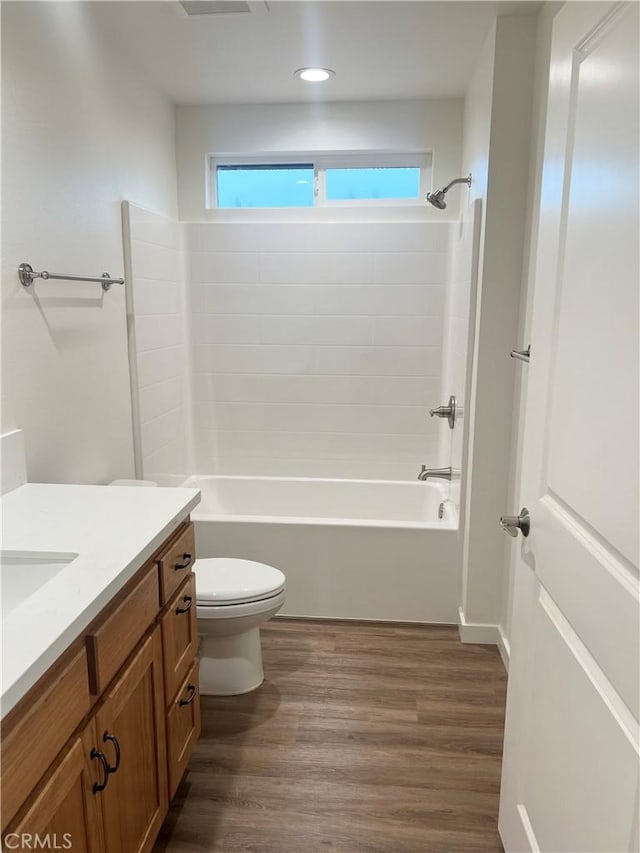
(22, 573)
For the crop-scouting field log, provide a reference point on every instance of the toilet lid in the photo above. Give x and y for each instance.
(224, 580)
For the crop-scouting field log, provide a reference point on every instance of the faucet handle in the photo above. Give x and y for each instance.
(449, 411)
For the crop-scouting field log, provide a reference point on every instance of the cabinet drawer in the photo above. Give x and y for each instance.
(115, 636)
(176, 561)
(53, 712)
(183, 727)
(179, 636)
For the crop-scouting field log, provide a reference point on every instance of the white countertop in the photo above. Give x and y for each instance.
(112, 529)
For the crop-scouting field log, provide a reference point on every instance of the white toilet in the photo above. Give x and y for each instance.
(233, 598)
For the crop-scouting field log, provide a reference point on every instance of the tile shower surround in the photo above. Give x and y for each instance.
(310, 349)
(157, 304)
(316, 347)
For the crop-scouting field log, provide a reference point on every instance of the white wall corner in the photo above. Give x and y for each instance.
(13, 464)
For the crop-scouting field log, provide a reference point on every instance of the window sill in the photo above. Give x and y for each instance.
(418, 212)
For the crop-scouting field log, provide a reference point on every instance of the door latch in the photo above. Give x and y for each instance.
(514, 524)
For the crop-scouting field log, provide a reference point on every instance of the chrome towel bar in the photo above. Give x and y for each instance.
(521, 354)
(27, 274)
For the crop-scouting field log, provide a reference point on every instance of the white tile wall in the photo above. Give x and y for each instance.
(156, 307)
(316, 347)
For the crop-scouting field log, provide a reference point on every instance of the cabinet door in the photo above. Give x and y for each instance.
(131, 733)
(64, 813)
(35, 731)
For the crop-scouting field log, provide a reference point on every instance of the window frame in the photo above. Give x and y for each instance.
(322, 161)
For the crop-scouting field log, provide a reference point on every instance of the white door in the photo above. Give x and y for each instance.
(570, 772)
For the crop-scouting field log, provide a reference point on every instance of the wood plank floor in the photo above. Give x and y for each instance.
(362, 738)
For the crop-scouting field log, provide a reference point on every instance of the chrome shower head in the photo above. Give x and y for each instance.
(437, 198)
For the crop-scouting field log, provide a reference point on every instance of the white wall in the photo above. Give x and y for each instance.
(81, 130)
(478, 107)
(538, 123)
(400, 125)
(496, 149)
(317, 347)
(459, 309)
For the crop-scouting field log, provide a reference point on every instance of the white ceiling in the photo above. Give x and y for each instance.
(379, 50)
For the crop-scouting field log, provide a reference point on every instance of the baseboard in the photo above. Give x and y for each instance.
(477, 632)
(504, 647)
(355, 621)
(484, 633)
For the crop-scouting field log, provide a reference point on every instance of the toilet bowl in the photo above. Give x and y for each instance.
(233, 598)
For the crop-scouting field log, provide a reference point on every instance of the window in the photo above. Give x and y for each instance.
(319, 180)
(386, 182)
(266, 185)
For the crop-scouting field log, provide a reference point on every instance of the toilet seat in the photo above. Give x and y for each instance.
(223, 581)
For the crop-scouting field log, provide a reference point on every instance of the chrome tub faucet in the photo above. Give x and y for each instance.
(439, 473)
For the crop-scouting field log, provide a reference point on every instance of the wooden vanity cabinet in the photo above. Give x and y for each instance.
(37, 729)
(131, 734)
(109, 786)
(66, 809)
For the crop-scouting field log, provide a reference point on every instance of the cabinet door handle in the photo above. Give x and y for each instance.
(97, 786)
(106, 737)
(188, 600)
(186, 562)
(192, 695)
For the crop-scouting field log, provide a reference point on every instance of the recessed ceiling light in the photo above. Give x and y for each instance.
(314, 75)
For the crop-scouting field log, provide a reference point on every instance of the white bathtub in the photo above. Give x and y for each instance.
(351, 549)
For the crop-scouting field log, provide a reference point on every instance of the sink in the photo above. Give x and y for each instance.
(22, 573)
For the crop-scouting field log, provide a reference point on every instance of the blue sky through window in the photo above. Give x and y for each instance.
(383, 182)
(292, 184)
(266, 186)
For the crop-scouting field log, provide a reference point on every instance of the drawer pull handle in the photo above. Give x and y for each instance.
(97, 786)
(106, 737)
(185, 564)
(188, 600)
(192, 695)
